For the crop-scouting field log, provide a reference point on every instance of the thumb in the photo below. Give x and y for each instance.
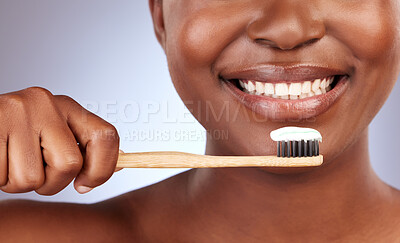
(116, 168)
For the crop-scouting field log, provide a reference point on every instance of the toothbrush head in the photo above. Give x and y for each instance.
(295, 142)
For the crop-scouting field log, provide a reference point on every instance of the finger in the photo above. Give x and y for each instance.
(101, 153)
(116, 168)
(3, 161)
(25, 163)
(100, 142)
(62, 157)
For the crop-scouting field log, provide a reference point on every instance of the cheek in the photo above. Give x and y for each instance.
(194, 42)
(200, 37)
(370, 30)
(371, 34)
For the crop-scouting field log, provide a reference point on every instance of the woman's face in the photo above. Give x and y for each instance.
(212, 44)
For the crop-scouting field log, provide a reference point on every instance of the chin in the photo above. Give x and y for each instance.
(289, 170)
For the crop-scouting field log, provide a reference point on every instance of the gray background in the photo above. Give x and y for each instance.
(103, 53)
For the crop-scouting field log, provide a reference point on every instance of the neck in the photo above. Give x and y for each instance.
(260, 203)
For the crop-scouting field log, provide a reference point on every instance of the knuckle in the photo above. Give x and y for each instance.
(71, 164)
(65, 99)
(21, 99)
(14, 101)
(68, 105)
(107, 134)
(30, 176)
(21, 102)
(39, 95)
(38, 91)
(29, 182)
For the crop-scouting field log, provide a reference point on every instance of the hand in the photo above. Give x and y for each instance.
(39, 150)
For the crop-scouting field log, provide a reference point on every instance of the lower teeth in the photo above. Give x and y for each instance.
(291, 97)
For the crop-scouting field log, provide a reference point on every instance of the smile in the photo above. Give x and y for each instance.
(279, 92)
(286, 91)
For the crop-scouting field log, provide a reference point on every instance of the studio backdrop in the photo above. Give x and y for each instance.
(104, 54)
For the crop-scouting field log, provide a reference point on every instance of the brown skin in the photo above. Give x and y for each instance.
(341, 201)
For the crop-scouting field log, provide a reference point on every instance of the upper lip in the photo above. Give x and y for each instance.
(277, 73)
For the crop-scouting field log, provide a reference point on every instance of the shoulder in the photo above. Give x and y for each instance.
(25, 221)
(153, 212)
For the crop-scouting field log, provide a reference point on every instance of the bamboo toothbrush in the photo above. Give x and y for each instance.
(296, 147)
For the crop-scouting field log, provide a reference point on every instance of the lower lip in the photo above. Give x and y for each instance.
(289, 110)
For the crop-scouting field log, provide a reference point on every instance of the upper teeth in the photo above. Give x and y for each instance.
(288, 90)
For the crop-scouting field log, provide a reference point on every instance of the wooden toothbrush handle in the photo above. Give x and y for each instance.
(187, 160)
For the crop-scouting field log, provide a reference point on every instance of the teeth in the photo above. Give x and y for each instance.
(295, 89)
(303, 96)
(323, 84)
(241, 84)
(316, 84)
(260, 87)
(269, 89)
(306, 87)
(286, 91)
(251, 87)
(318, 92)
(282, 89)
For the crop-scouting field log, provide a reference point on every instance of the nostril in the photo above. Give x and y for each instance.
(287, 27)
(265, 42)
(309, 42)
(268, 43)
(272, 44)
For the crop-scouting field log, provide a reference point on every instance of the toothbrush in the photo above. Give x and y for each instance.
(296, 147)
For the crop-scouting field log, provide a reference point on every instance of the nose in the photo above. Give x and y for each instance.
(286, 26)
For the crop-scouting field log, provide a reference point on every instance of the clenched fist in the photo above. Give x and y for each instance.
(48, 140)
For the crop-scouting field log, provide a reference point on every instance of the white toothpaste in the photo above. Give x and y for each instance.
(295, 134)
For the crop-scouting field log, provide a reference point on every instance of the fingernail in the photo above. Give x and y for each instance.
(83, 189)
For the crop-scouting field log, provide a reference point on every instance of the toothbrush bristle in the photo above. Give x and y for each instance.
(279, 147)
(294, 149)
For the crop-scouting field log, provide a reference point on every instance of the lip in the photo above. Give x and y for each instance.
(286, 110)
